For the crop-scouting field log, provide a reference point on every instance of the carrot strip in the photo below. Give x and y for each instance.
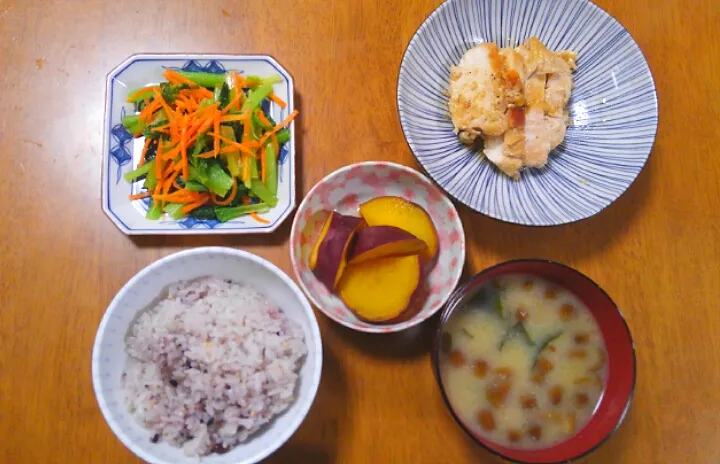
(205, 93)
(285, 121)
(195, 205)
(192, 139)
(281, 103)
(194, 126)
(149, 110)
(238, 80)
(169, 183)
(138, 92)
(263, 170)
(211, 153)
(208, 154)
(172, 153)
(202, 110)
(176, 78)
(144, 152)
(277, 128)
(228, 200)
(263, 119)
(216, 129)
(159, 162)
(206, 125)
(234, 102)
(239, 83)
(161, 128)
(255, 216)
(238, 146)
(196, 96)
(156, 192)
(173, 129)
(163, 103)
(276, 145)
(140, 195)
(179, 196)
(179, 166)
(183, 148)
(168, 170)
(234, 117)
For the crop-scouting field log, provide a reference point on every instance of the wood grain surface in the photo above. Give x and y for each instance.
(656, 250)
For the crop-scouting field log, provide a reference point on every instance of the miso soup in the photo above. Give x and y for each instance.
(524, 363)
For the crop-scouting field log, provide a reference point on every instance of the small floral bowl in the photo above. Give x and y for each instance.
(343, 191)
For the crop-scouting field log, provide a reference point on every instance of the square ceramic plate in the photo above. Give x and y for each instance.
(121, 152)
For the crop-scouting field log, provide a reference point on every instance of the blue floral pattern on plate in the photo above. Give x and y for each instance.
(122, 151)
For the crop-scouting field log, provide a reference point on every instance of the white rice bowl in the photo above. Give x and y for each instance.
(185, 364)
(210, 364)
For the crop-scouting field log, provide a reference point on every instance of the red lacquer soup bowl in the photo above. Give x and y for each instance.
(620, 384)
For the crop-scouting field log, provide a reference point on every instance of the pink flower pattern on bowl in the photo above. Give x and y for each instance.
(343, 191)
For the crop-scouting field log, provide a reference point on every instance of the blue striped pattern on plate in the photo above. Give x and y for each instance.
(613, 109)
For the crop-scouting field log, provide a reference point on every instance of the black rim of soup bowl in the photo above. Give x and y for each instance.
(468, 290)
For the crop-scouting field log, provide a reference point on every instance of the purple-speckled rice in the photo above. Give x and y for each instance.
(210, 364)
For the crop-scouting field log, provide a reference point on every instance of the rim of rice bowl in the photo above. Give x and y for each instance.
(305, 388)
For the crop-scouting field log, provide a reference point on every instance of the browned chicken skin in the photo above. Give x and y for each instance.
(514, 99)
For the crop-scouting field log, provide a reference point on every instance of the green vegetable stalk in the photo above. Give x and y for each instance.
(274, 79)
(283, 136)
(222, 95)
(225, 214)
(203, 79)
(195, 186)
(139, 172)
(271, 168)
(154, 212)
(175, 210)
(151, 179)
(262, 192)
(132, 123)
(256, 98)
(232, 157)
(219, 182)
(206, 212)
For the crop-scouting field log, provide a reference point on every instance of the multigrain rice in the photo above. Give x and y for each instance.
(210, 364)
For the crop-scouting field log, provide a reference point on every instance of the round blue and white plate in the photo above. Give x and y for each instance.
(613, 109)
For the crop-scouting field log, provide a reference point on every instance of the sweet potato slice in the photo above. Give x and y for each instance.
(398, 212)
(380, 290)
(332, 248)
(383, 242)
(312, 260)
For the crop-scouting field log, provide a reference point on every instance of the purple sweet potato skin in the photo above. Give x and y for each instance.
(369, 238)
(330, 253)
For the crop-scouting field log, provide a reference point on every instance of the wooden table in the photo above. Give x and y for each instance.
(656, 250)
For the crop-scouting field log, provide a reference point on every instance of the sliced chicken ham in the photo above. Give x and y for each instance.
(514, 100)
